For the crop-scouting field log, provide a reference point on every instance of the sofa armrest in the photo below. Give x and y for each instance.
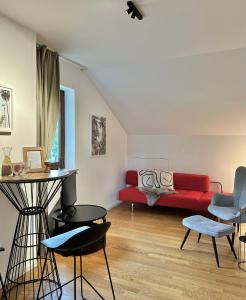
(222, 200)
(219, 184)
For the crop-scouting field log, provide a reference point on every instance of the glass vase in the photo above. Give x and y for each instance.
(6, 165)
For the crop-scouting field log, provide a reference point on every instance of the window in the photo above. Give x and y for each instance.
(55, 148)
(57, 152)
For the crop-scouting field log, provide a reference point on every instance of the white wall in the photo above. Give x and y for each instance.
(18, 71)
(217, 156)
(99, 179)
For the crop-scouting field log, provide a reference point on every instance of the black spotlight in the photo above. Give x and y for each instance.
(133, 10)
(129, 10)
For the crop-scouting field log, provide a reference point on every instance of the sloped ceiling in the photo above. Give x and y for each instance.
(181, 70)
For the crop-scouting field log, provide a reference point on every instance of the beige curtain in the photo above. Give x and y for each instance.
(48, 96)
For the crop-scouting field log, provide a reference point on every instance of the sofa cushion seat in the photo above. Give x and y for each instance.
(205, 200)
(132, 194)
(184, 198)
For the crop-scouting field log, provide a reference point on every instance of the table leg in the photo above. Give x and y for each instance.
(27, 255)
(27, 258)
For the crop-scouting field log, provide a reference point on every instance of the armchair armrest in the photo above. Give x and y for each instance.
(222, 200)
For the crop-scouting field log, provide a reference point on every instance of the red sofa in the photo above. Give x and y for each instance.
(192, 191)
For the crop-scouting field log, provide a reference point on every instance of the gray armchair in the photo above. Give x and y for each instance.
(228, 207)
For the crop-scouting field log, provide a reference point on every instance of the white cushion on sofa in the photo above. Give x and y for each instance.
(146, 178)
(155, 179)
(163, 180)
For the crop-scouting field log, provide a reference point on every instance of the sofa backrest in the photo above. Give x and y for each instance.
(132, 177)
(193, 182)
(182, 181)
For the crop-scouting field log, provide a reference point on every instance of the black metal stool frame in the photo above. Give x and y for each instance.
(31, 197)
(3, 289)
(81, 276)
(1, 279)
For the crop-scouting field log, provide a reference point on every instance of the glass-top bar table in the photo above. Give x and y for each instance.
(31, 194)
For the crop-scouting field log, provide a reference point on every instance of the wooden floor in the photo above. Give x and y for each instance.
(146, 263)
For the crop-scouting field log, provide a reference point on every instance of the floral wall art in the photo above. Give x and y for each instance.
(5, 109)
(98, 135)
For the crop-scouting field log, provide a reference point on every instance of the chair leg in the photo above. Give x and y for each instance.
(81, 278)
(185, 238)
(109, 275)
(74, 272)
(3, 288)
(199, 237)
(233, 238)
(231, 245)
(132, 207)
(56, 271)
(215, 251)
(233, 235)
(42, 274)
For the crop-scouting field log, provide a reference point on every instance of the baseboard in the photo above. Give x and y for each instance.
(112, 205)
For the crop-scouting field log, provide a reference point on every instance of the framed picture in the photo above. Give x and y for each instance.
(98, 135)
(34, 157)
(6, 96)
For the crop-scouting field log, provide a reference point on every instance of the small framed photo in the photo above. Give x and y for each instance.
(97, 135)
(6, 95)
(34, 158)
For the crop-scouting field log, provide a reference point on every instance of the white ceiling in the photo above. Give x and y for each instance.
(181, 70)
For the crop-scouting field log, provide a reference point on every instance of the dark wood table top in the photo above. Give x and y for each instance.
(81, 214)
(37, 177)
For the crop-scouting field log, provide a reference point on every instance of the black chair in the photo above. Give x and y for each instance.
(1, 280)
(72, 243)
(65, 205)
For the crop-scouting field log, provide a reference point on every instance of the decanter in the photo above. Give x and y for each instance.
(6, 165)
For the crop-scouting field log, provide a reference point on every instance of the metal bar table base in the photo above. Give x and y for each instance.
(31, 196)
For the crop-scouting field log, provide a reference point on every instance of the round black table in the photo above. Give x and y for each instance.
(80, 215)
(31, 194)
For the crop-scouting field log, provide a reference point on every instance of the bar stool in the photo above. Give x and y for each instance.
(1, 280)
(72, 243)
